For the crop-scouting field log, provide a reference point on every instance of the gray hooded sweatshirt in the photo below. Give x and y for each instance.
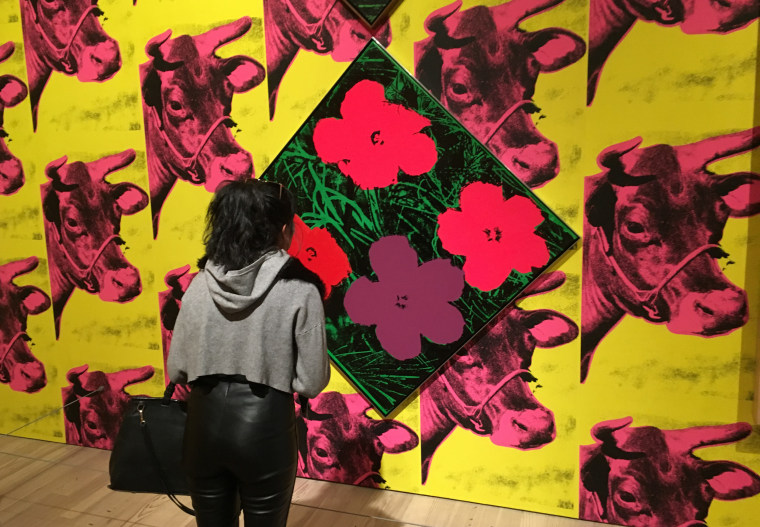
(248, 322)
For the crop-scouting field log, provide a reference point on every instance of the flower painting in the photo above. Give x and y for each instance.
(495, 235)
(373, 12)
(419, 233)
(408, 300)
(375, 139)
(318, 251)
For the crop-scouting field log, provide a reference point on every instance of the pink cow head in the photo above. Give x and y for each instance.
(94, 404)
(18, 366)
(654, 220)
(647, 477)
(319, 26)
(65, 36)
(484, 68)
(82, 215)
(187, 99)
(169, 303)
(12, 92)
(610, 21)
(485, 389)
(343, 444)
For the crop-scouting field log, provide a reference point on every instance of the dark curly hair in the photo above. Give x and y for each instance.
(244, 221)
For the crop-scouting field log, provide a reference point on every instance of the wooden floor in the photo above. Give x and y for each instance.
(49, 484)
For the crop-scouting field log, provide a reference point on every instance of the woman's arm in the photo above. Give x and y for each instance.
(312, 368)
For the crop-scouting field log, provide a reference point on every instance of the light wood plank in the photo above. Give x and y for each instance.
(301, 516)
(90, 458)
(26, 514)
(18, 470)
(36, 449)
(44, 484)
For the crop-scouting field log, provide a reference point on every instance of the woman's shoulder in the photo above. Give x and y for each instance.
(296, 274)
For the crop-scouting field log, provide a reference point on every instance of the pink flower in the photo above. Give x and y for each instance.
(408, 300)
(318, 251)
(375, 138)
(493, 234)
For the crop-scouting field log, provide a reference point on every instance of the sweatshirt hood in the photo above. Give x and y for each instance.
(239, 289)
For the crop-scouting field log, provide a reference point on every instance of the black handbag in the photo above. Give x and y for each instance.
(147, 453)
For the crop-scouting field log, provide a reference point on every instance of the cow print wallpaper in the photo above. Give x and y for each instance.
(619, 387)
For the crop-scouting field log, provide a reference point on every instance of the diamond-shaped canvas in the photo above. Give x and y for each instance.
(420, 234)
(371, 11)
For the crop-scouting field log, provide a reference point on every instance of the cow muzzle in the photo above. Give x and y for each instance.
(27, 375)
(120, 285)
(99, 62)
(189, 163)
(11, 176)
(9, 346)
(710, 313)
(648, 298)
(237, 166)
(473, 415)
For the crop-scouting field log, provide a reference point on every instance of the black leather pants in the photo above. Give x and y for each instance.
(240, 450)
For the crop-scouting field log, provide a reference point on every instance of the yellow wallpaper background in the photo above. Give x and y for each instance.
(661, 84)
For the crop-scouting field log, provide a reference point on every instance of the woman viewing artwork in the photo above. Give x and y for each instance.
(250, 333)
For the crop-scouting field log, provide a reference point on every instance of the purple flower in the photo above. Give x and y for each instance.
(408, 299)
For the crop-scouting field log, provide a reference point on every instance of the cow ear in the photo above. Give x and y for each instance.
(394, 436)
(741, 193)
(130, 198)
(428, 64)
(51, 207)
(151, 90)
(243, 73)
(169, 313)
(595, 473)
(34, 299)
(730, 481)
(71, 414)
(550, 328)
(555, 48)
(600, 208)
(12, 91)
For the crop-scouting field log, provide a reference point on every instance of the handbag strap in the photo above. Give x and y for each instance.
(156, 462)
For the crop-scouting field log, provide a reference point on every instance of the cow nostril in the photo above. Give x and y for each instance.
(521, 164)
(706, 310)
(519, 425)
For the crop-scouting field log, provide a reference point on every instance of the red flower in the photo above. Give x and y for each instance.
(493, 234)
(375, 138)
(318, 251)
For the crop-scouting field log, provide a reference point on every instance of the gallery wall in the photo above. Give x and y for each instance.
(678, 355)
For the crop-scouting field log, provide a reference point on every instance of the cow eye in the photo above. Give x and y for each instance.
(72, 225)
(321, 452)
(627, 497)
(458, 89)
(634, 227)
(458, 85)
(175, 106)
